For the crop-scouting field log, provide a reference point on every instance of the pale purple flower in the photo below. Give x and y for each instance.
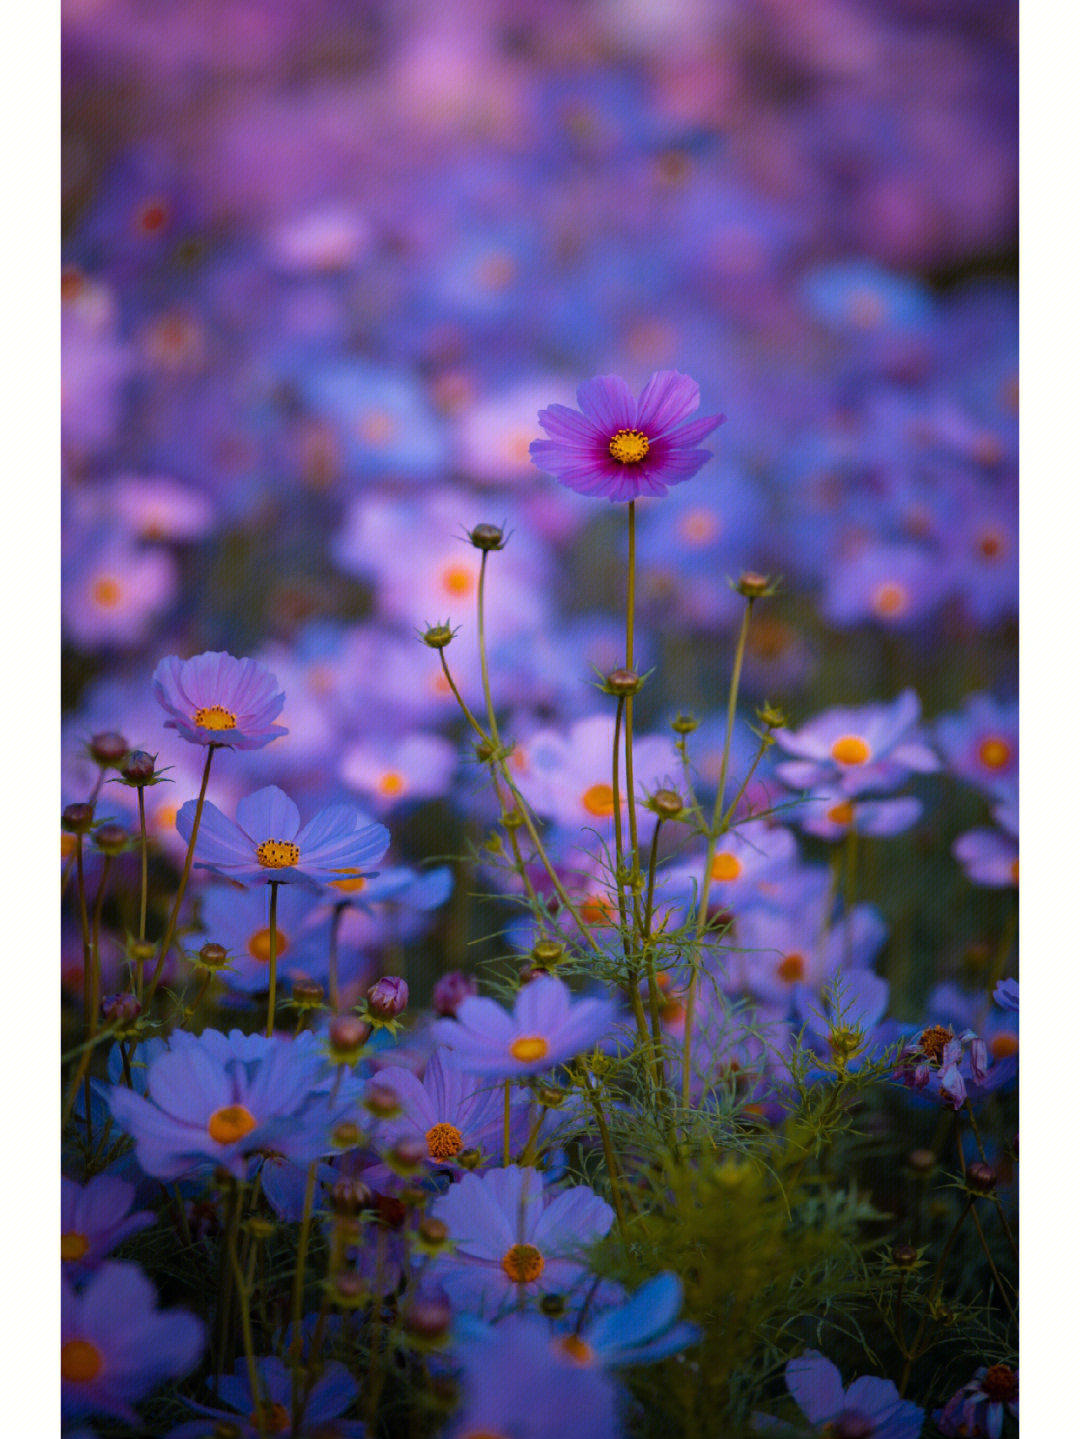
(215, 698)
(873, 747)
(620, 447)
(94, 1219)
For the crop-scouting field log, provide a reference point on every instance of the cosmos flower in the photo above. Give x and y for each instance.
(94, 1219)
(547, 1027)
(643, 1329)
(116, 1346)
(267, 844)
(620, 447)
(981, 744)
(331, 1394)
(979, 1407)
(506, 1237)
(870, 1408)
(874, 747)
(215, 698)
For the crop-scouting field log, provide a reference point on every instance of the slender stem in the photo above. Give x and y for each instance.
(481, 645)
(272, 1001)
(609, 1152)
(715, 830)
(465, 710)
(91, 802)
(144, 872)
(632, 972)
(935, 1285)
(170, 928)
(993, 1267)
(631, 808)
(258, 1416)
(296, 1347)
(87, 968)
(95, 981)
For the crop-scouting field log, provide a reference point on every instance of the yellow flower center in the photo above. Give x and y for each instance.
(890, 598)
(599, 799)
(230, 1124)
(259, 945)
(528, 1048)
(80, 1361)
(1004, 1046)
(107, 592)
(276, 1419)
(391, 782)
(628, 447)
(215, 717)
(791, 969)
(443, 1141)
(995, 753)
(523, 1263)
(457, 580)
(850, 749)
(576, 1349)
(842, 813)
(277, 854)
(73, 1245)
(352, 885)
(725, 866)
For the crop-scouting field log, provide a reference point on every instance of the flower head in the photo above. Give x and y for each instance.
(621, 447)
(869, 1407)
(547, 1026)
(217, 699)
(267, 842)
(94, 1219)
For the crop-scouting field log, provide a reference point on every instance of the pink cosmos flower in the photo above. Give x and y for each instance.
(621, 447)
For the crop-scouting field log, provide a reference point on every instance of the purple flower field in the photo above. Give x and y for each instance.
(540, 738)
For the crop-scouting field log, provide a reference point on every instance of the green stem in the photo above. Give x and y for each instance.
(144, 875)
(714, 833)
(631, 807)
(935, 1285)
(609, 1153)
(296, 1348)
(170, 928)
(95, 982)
(272, 1001)
(258, 1416)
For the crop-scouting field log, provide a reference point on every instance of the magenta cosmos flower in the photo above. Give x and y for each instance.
(621, 447)
(218, 699)
(266, 843)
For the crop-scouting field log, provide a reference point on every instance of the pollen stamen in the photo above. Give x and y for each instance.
(215, 717)
(277, 854)
(443, 1140)
(523, 1263)
(628, 447)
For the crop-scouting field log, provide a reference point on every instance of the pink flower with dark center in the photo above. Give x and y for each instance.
(620, 447)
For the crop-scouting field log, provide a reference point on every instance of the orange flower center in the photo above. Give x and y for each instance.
(528, 1048)
(576, 1349)
(107, 592)
(725, 866)
(999, 1384)
(73, 1245)
(932, 1042)
(523, 1263)
(259, 945)
(457, 580)
(391, 782)
(80, 1361)
(890, 599)
(215, 717)
(995, 752)
(599, 799)
(352, 885)
(842, 813)
(791, 969)
(628, 447)
(228, 1125)
(850, 749)
(277, 854)
(1004, 1046)
(443, 1141)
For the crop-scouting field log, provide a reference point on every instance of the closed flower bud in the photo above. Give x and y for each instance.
(753, 586)
(684, 724)
(431, 1235)
(388, 997)
(111, 839)
(77, 818)
(142, 951)
(348, 1035)
(666, 803)
(213, 956)
(623, 682)
(551, 1096)
(428, 1317)
(547, 952)
(487, 537)
(450, 990)
(512, 819)
(349, 1196)
(108, 748)
(772, 717)
(407, 1154)
(469, 1158)
(904, 1256)
(307, 993)
(922, 1160)
(981, 1177)
(437, 637)
(138, 768)
(553, 1306)
(122, 1010)
(348, 1290)
(346, 1135)
(413, 1196)
(382, 1101)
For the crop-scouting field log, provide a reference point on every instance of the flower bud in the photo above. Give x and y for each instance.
(348, 1035)
(772, 717)
(753, 586)
(623, 682)
(307, 993)
(684, 724)
(260, 1227)
(213, 956)
(904, 1256)
(388, 997)
(346, 1135)
(981, 1177)
(667, 804)
(487, 537)
(922, 1160)
(413, 1196)
(428, 1317)
(468, 1158)
(77, 818)
(348, 1290)
(349, 1196)
(431, 1235)
(550, 1096)
(108, 748)
(141, 951)
(382, 1101)
(111, 839)
(450, 990)
(407, 1154)
(437, 637)
(138, 768)
(553, 1306)
(121, 1010)
(547, 952)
